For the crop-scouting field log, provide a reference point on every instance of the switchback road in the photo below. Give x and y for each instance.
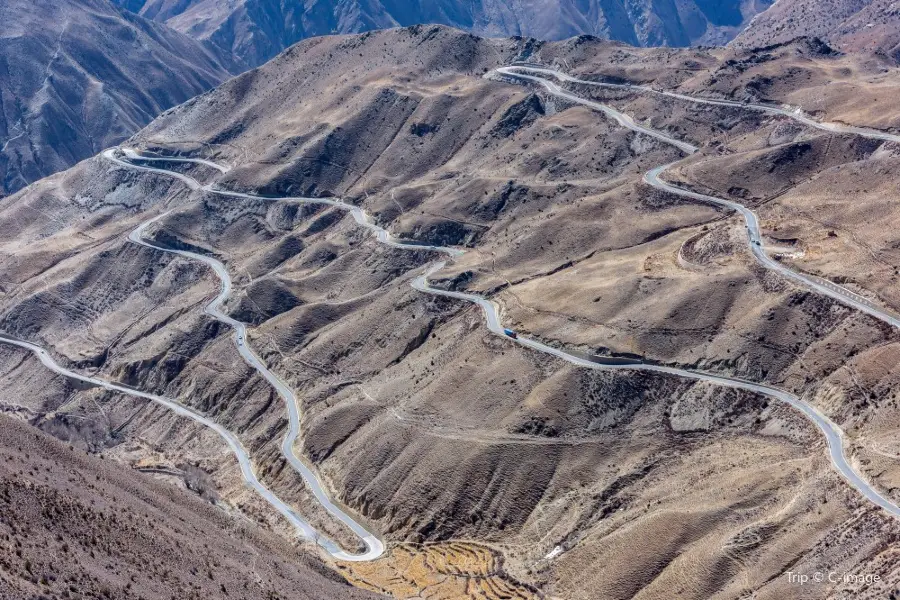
(834, 436)
(654, 176)
(374, 547)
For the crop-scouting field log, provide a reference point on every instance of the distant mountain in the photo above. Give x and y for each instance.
(871, 25)
(82, 75)
(256, 30)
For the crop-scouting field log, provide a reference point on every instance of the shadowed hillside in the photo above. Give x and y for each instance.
(256, 30)
(77, 526)
(82, 75)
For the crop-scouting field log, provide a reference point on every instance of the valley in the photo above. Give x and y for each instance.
(669, 377)
(257, 30)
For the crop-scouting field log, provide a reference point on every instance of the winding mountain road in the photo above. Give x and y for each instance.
(230, 439)
(820, 286)
(654, 176)
(374, 547)
(177, 159)
(833, 434)
(794, 113)
(619, 117)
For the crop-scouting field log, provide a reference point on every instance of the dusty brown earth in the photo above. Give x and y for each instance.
(571, 483)
(441, 571)
(76, 525)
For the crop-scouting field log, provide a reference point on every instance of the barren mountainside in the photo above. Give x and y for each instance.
(256, 30)
(852, 25)
(77, 525)
(81, 75)
(485, 465)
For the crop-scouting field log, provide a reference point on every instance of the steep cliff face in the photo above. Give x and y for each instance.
(82, 75)
(256, 30)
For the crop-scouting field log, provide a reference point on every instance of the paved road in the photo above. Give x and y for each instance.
(819, 285)
(374, 546)
(620, 117)
(132, 154)
(794, 113)
(653, 178)
(359, 215)
(834, 436)
(832, 432)
(233, 442)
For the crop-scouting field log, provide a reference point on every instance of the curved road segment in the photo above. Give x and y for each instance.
(833, 433)
(653, 177)
(233, 442)
(794, 113)
(374, 547)
(619, 117)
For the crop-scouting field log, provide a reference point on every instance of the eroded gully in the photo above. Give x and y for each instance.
(834, 436)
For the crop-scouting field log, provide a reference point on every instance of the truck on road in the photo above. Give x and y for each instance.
(511, 333)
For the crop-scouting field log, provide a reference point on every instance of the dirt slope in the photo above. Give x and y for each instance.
(77, 525)
(441, 436)
(850, 25)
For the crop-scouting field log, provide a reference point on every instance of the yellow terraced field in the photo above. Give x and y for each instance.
(442, 571)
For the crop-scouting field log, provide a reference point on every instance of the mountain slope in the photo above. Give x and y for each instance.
(73, 521)
(81, 75)
(256, 30)
(418, 420)
(871, 25)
